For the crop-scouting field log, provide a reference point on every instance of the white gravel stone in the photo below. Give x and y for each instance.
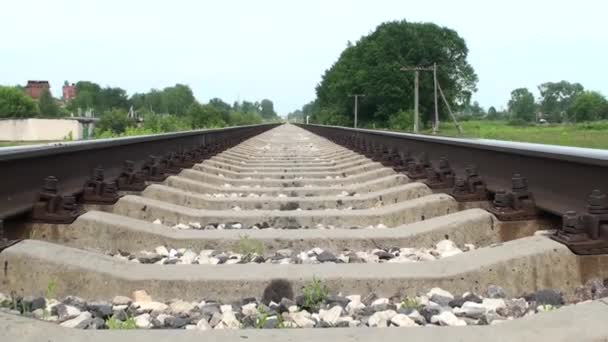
(354, 304)
(162, 250)
(249, 309)
(380, 301)
(402, 320)
(70, 312)
(440, 292)
(380, 319)
(150, 306)
(188, 257)
(157, 221)
(143, 321)
(229, 320)
(74, 322)
(470, 309)
(121, 300)
(448, 318)
(331, 316)
(301, 319)
(203, 325)
(181, 307)
(493, 304)
(225, 308)
(181, 226)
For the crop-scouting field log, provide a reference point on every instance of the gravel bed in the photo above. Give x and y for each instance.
(263, 225)
(252, 252)
(316, 308)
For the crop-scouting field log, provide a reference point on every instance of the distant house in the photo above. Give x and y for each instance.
(69, 91)
(35, 88)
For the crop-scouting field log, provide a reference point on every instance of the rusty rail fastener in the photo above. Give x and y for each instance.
(442, 177)
(514, 205)
(52, 207)
(98, 191)
(416, 169)
(129, 179)
(471, 188)
(586, 234)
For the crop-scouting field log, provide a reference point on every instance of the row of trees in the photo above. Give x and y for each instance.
(170, 109)
(559, 102)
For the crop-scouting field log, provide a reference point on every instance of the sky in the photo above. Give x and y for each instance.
(251, 50)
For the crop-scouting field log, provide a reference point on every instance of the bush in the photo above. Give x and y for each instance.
(402, 120)
(14, 103)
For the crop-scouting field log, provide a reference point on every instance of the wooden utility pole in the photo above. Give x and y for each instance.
(436, 125)
(356, 96)
(416, 71)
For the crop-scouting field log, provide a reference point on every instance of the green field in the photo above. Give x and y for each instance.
(19, 143)
(592, 134)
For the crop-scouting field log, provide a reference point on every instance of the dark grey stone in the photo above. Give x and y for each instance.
(326, 256)
(441, 300)
(546, 296)
(31, 303)
(384, 255)
(336, 300)
(96, 323)
(76, 302)
(100, 309)
(120, 315)
(176, 322)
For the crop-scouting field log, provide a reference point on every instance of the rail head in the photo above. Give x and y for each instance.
(560, 178)
(67, 167)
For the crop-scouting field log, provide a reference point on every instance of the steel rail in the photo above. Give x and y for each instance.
(560, 178)
(22, 170)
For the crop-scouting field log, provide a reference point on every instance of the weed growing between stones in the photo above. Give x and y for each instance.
(249, 247)
(114, 324)
(314, 293)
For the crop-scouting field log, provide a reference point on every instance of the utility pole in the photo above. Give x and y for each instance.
(416, 71)
(356, 96)
(436, 126)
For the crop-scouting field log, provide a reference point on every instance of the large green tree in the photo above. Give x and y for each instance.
(205, 116)
(588, 106)
(372, 66)
(267, 109)
(522, 105)
(48, 106)
(90, 95)
(15, 104)
(556, 98)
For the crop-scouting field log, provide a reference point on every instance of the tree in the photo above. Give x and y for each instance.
(223, 107)
(522, 105)
(15, 104)
(47, 105)
(113, 98)
(115, 121)
(177, 99)
(205, 116)
(371, 66)
(267, 111)
(588, 106)
(556, 98)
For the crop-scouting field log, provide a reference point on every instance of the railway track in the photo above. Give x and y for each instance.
(300, 228)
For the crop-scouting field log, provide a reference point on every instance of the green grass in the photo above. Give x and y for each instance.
(19, 143)
(592, 134)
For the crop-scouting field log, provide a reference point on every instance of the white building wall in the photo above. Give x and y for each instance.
(39, 129)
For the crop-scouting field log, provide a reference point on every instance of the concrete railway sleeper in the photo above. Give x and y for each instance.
(289, 229)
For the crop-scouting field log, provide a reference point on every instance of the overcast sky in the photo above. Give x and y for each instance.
(240, 49)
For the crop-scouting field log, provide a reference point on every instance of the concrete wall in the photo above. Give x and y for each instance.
(40, 129)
